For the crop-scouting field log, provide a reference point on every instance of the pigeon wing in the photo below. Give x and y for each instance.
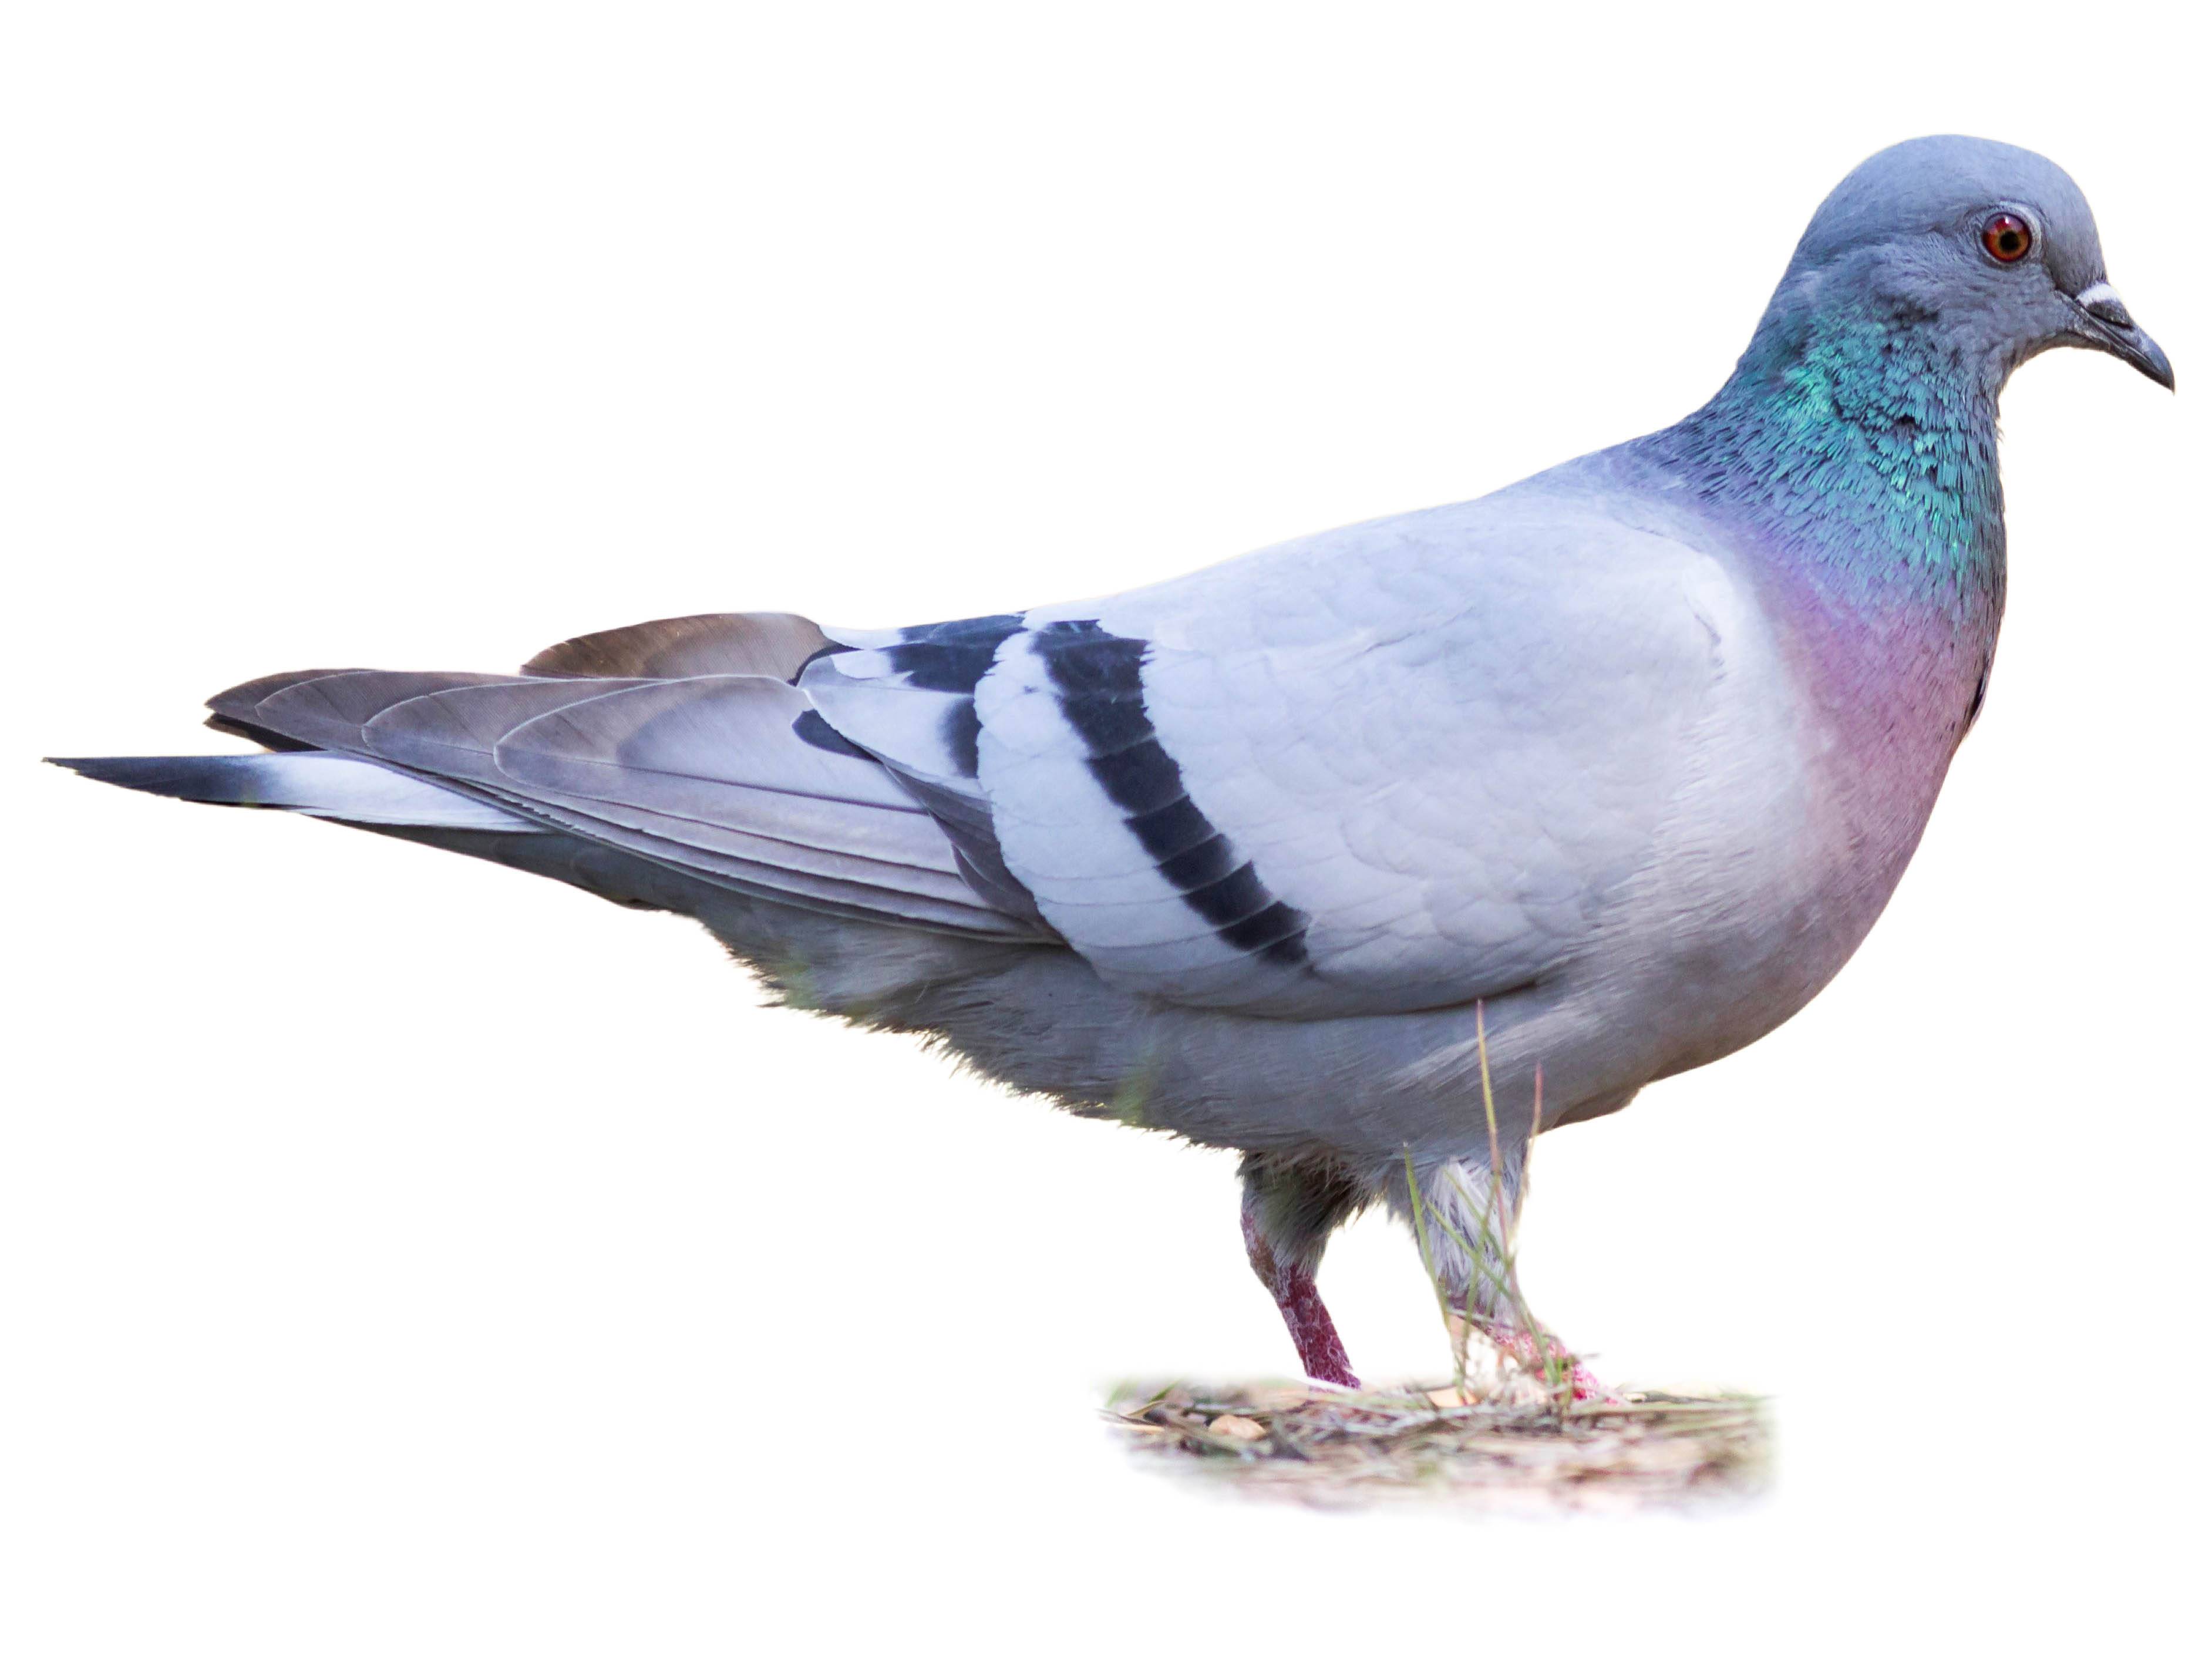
(1400, 766)
(705, 774)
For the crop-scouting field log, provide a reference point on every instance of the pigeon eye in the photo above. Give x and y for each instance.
(2007, 237)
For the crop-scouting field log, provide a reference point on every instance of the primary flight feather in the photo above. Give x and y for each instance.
(1616, 766)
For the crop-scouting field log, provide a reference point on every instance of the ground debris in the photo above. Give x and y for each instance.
(1344, 1449)
(1238, 1428)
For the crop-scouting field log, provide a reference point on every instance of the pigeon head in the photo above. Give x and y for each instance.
(1987, 250)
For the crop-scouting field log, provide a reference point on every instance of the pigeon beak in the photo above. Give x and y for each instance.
(2103, 322)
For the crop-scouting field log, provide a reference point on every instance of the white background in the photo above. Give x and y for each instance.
(402, 1256)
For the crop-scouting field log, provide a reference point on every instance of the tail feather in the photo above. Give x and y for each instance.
(310, 781)
(678, 746)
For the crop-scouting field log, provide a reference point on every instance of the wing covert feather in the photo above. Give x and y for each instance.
(1439, 744)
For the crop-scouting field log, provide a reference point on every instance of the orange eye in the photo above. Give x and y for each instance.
(2007, 237)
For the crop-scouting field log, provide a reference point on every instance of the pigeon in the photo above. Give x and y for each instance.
(1371, 855)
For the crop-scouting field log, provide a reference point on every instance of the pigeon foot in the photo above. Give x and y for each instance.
(1536, 1351)
(1531, 1354)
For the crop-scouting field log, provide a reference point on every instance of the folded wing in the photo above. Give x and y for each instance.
(1401, 766)
(705, 772)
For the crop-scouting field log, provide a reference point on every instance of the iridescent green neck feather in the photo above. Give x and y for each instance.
(1859, 446)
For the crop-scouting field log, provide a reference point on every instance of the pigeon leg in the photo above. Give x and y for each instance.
(1460, 1212)
(1321, 1351)
(1290, 1210)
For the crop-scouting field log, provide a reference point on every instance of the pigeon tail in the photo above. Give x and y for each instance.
(319, 785)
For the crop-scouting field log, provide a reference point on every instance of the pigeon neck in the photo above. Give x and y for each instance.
(1862, 450)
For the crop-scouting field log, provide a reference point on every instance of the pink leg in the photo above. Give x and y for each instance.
(1320, 1350)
